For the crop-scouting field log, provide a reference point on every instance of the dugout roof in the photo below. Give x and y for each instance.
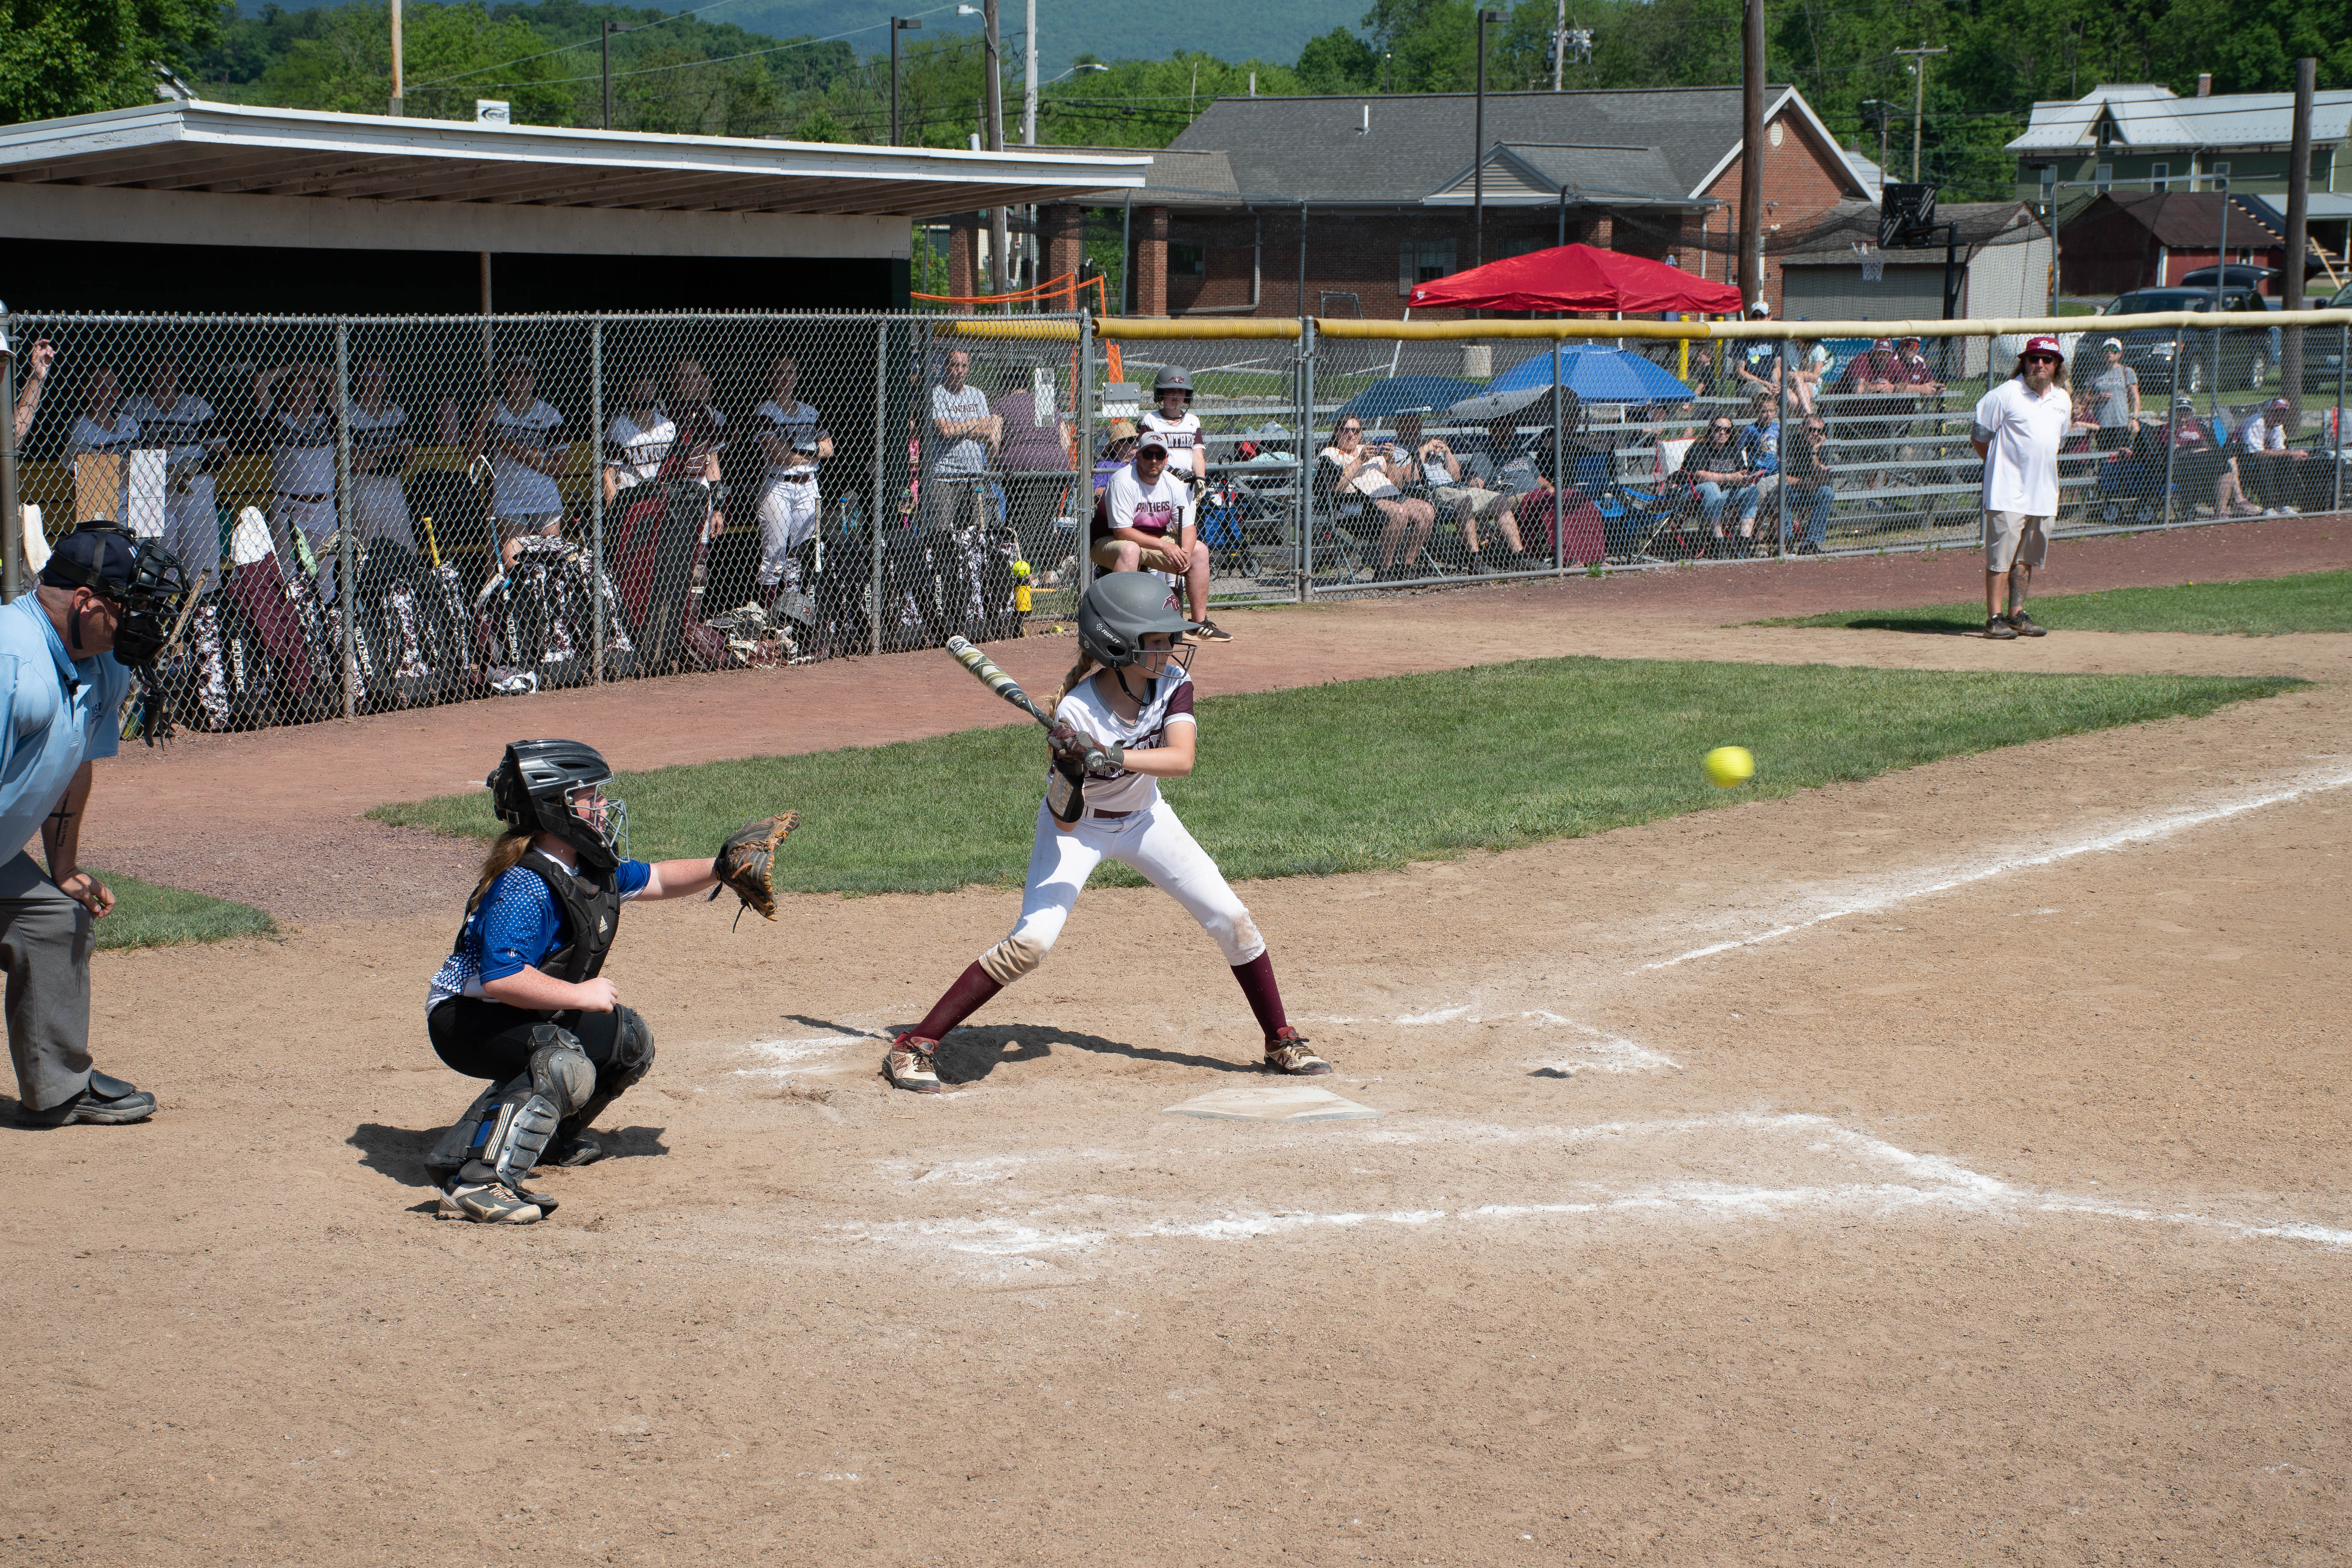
(234, 149)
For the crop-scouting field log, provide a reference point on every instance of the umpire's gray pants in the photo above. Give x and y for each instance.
(44, 945)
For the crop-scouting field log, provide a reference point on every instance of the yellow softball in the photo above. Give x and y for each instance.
(1729, 766)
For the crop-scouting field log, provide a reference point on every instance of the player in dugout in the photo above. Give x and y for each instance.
(521, 999)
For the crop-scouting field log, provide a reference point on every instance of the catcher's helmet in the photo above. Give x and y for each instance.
(1120, 610)
(532, 789)
(1172, 378)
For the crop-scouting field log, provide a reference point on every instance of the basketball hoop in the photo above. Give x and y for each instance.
(1874, 261)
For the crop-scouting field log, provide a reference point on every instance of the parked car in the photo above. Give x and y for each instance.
(2323, 350)
(2246, 356)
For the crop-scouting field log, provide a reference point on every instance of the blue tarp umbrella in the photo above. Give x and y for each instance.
(1595, 373)
(1384, 400)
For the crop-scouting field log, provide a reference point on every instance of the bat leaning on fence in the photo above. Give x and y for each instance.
(985, 670)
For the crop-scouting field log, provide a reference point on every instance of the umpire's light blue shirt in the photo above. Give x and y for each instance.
(59, 714)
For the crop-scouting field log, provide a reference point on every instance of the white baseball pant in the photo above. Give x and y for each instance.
(1158, 847)
(788, 514)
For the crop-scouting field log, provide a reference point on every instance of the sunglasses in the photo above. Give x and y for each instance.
(2040, 359)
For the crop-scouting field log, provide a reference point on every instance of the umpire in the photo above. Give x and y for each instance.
(66, 654)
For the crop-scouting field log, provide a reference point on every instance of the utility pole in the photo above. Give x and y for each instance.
(1029, 77)
(2298, 231)
(1919, 99)
(1751, 151)
(608, 73)
(897, 25)
(1559, 41)
(1479, 151)
(992, 108)
(398, 107)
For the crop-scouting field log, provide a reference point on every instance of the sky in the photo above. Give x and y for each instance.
(1229, 29)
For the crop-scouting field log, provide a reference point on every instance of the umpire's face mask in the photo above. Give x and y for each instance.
(148, 607)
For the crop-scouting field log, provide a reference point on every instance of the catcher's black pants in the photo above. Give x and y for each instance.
(490, 1039)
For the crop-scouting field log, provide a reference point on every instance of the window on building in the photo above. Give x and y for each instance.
(1186, 261)
(2221, 176)
(1422, 261)
(2159, 177)
(2103, 177)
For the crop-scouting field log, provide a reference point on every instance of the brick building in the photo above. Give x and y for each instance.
(1278, 207)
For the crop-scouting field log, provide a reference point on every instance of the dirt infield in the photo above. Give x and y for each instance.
(270, 818)
(1944, 1169)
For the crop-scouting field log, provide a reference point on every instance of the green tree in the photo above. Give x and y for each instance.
(78, 57)
(821, 126)
(1339, 62)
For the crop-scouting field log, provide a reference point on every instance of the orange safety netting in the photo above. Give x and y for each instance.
(1068, 287)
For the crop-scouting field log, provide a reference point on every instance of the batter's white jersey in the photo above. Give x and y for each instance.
(1085, 711)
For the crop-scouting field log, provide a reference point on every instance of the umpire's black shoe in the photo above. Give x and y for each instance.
(107, 1101)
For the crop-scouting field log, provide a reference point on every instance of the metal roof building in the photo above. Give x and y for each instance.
(194, 205)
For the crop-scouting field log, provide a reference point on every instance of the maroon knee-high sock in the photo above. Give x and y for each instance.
(1265, 997)
(971, 989)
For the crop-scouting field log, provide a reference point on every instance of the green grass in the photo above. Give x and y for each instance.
(1353, 775)
(147, 915)
(2309, 602)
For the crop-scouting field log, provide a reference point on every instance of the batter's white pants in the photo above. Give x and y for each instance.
(788, 513)
(1157, 846)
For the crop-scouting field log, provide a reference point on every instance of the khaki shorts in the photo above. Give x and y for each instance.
(1105, 555)
(2013, 539)
(1477, 502)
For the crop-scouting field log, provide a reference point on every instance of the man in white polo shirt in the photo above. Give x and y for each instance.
(2018, 426)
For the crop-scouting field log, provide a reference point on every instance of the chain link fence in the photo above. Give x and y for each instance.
(1364, 456)
(393, 512)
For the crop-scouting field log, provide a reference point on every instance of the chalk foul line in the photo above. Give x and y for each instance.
(1947, 881)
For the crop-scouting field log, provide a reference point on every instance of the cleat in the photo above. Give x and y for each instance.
(1998, 629)
(913, 1065)
(1287, 1053)
(1212, 632)
(2023, 626)
(580, 1150)
(487, 1203)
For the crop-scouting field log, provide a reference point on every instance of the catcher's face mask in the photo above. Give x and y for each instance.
(609, 816)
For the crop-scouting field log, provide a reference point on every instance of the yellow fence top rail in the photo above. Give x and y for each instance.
(1982, 326)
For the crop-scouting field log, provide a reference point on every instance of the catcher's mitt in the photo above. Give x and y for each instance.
(746, 862)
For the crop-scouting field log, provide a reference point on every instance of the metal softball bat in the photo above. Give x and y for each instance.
(985, 671)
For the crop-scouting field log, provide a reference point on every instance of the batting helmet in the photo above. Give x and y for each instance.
(532, 789)
(1172, 378)
(1120, 610)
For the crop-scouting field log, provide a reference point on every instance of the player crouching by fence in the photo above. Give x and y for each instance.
(1132, 720)
(521, 1000)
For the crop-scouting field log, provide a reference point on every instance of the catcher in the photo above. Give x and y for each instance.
(521, 1001)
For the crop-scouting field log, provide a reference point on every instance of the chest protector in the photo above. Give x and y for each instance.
(590, 902)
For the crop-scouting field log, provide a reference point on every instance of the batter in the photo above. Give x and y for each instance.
(1136, 708)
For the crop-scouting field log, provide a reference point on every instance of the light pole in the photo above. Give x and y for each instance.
(897, 25)
(1479, 152)
(609, 30)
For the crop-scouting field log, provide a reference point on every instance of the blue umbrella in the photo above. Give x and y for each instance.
(1399, 394)
(1593, 372)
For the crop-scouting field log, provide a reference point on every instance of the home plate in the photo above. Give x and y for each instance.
(1272, 1102)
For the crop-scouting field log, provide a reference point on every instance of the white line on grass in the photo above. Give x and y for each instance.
(1944, 879)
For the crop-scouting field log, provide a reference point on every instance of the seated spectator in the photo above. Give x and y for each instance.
(2268, 464)
(2198, 461)
(1714, 465)
(1913, 372)
(1115, 452)
(1759, 450)
(1560, 525)
(1809, 361)
(1140, 526)
(1812, 488)
(1481, 483)
(1355, 469)
(1873, 412)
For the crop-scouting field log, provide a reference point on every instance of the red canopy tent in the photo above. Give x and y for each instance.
(1579, 278)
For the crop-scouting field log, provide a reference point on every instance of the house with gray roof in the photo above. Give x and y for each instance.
(1339, 206)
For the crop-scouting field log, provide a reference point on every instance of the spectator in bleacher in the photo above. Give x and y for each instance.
(1036, 462)
(1913, 372)
(38, 360)
(524, 437)
(2267, 464)
(2018, 428)
(1809, 362)
(2113, 407)
(795, 439)
(381, 447)
(1759, 450)
(2199, 460)
(184, 425)
(1812, 488)
(289, 402)
(1873, 412)
(1716, 467)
